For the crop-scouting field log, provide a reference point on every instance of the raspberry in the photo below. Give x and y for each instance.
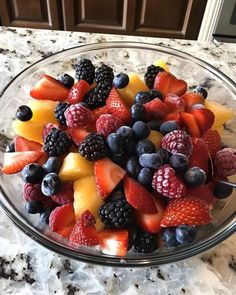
(166, 183)
(107, 124)
(77, 115)
(47, 129)
(66, 194)
(225, 162)
(177, 141)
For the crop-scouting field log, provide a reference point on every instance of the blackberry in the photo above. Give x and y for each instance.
(116, 214)
(104, 74)
(93, 147)
(85, 70)
(145, 242)
(57, 143)
(59, 112)
(150, 75)
(97, 96)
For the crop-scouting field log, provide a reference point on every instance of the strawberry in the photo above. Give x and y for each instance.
(202, 192)
(22, 144)
(15, 162)
(77, 92)
(191, 124)
(84, 231)
(187, 210)
(108, 175)
(191, 98)
(205, 119)
(200, 156)
(114, 242)
(50, 89)
(138, 197)
(43, 158)
(100, 111)
(117, 107)
(168, 83)
(174, 117)
(77, 134)
(62, 220)
(66, 194)
(156, 109)
(213, 141)
(175, 103)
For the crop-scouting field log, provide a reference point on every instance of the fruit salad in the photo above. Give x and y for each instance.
(121, 161)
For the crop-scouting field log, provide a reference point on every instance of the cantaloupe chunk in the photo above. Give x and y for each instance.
(43, 110)
(75, 166)
(161, 63)
(155, 138)
(31, 130)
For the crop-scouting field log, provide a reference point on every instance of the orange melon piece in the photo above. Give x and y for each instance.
(155, 138)
(43, 110)
(31, 130)
(161, 63)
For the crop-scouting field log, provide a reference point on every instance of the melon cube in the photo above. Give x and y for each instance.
(31, 130)
(161, 63)
(43, 110)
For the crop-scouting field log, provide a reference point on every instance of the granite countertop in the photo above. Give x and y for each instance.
(28, 268)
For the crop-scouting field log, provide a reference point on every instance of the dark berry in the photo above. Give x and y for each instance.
(145, 146)
(52, 165)
(138, 112)
(168, 126)
(164, 154)
(118, 158)
(114, 143)
(66, 80)
(153, 160)
(145, 242)
(150, 75)
(179, 162)
(142, 97)
(44, 216)
(121, 81)
(97, 96)
(93, 147)
(10, 148)
(85, 70)
(124, 133)
(154, 125)
(145, 177)
(115, 196)
(140, 130)
(153, 93)
(129, 146)
(202, 91)
(32, 173)
(168, 237)
(185, 234)
(222, 190)
(24, 113)
(34, 207)
(104, 73)
(51, 184)
(133, 167)
(59, 112)
(194, 176)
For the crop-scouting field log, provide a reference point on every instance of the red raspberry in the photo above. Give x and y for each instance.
(177, 141)
(66, 195)
(107, 124)
(166, 183)
(77, 115)
(48, 128)
(225, 162)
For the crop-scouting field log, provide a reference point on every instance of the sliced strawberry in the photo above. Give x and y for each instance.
(202, 192)
(43, 158)
(77, 92)
(200, 156)
(62, 220)
(150, 222)
(15, 162)
(168, 83)
(156, 109)
(191, 124)
(213, 141)
(22, 144)
(117, 107)
(114, 242)
(205, 119)
(100, 111)
(108, 175)
(187, 210)
(175, 103)
(84, 231)
(175, 117)
(192, 98)
(139, 197)
(77, 134)
(50, 89)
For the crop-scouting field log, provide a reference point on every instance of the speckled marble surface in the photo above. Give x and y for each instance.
(28, 268)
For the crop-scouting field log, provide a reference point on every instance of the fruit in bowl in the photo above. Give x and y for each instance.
(121, 161)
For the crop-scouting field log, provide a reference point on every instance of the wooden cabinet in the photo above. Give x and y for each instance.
(158, 18)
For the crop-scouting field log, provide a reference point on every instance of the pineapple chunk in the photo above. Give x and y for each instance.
(75, 166)
(30, 130)
(43, 110)
(86, 197)
(161, 63)
(155, 138)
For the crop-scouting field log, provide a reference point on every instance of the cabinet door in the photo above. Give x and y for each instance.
(42, 14)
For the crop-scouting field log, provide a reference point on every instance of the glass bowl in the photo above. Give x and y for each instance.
(127, 57)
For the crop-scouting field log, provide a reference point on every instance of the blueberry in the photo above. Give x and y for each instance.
(145, 146)
(32, 173)
(168, 237)
(118, 158)
(66, 80)
(44, 215)
(34, 207)
(52, 165)
(121, 80)
(114, 143)
(222, 190)
(24, 113)
(185, 234)
(142, 97)
(145, 177)
(129, 146)
(179, 162)
(124, 133)
(202, 91)
(51, 184)
(150, 160)
(194, 176)
(141, 130)
(10, 148)
(168, 126)
(197, 106)
(133, 167)
(138, 112)
(164, 154)
(153, 93)
(154, 125)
